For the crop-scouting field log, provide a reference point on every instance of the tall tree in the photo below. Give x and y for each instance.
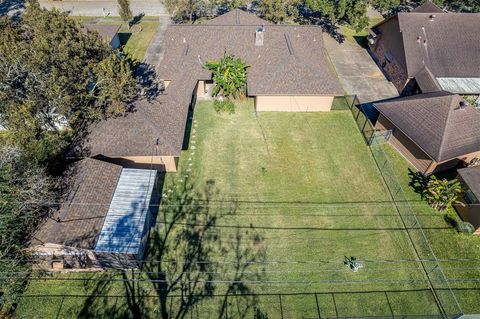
(52, 72)
(25, 192)
(278, 11)
(125, 11)
(188, 10)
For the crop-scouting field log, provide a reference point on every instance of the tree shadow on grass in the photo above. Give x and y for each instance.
(197, 260)
(189, 262)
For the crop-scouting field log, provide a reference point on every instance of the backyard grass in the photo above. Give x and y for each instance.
(259, 218)
(134, 43)
(353, 36)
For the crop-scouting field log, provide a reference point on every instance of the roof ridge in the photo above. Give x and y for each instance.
(446, 126)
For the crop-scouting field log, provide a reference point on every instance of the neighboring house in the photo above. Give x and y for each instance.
(289, 71)
(469, 209)
(108, 33)
(428, 50)
(434, 131)
(104, 220)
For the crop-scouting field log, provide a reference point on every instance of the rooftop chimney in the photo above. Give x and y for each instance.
(259, 36)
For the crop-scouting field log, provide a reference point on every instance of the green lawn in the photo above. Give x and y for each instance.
(134, 43)
(353, 36)
(263, 210)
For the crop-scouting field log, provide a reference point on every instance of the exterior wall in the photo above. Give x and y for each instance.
(390, 39)
(469, 213)
(418, 158)
(444, 165)
(115, 43)
(55, 257)
(160, 163)
(166, 83)
(293, 103)
(200, 90)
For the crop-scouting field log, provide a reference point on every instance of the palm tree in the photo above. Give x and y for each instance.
(229, 76)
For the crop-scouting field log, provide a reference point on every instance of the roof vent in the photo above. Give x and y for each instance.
(259, 35)
(419, 38)
(462, 105)
(432, 17)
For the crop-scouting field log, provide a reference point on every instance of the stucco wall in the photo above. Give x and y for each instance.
(200, 91)
(291, 103)
(160, 163)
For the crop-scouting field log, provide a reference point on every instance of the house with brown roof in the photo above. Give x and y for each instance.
(107, 32)
(433, 131)
(469, 204)
(428, 50)
(289, 71)
(103, 220)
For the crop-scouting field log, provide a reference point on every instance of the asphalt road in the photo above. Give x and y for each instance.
(106, 7)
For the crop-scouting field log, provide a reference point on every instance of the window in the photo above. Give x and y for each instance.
(469, 197)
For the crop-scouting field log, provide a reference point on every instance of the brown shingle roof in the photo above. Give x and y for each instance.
(275, 69)
(471, 176)
(237, 17)
(106, 31)
(426, 81)
(302, 70)
(436, 123)
(427, 7)
(447, 43)
(79, 219)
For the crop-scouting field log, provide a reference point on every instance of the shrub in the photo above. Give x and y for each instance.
(465, 228)
(441, 193)
(451, 218)
(226, 106)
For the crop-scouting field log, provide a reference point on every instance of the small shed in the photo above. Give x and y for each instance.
(469, 209)
(108, 33)
(103, 221)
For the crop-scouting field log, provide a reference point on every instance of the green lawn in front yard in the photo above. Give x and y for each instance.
(134, 43)
(259, 216)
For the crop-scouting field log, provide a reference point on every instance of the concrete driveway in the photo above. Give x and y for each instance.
(97, 8)
(358, 72)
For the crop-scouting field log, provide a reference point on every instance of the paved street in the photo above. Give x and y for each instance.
(358, 72)
(94, 8)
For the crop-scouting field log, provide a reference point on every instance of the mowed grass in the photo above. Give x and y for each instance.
(259, 218)
(305, 187)
(134, 43)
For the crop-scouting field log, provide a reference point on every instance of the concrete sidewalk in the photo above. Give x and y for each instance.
(358, 72)
(109, 7)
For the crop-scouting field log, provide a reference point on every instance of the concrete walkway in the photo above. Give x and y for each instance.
(358, 72)
(107, 7)
(155, 50)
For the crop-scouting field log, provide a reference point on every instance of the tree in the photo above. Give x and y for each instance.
(278, 11)
(356, 14)
(187, 10)
(52, 72)
(25, 193)
(353, 12)
(441, 193)
(124, 10)
(229, 76)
